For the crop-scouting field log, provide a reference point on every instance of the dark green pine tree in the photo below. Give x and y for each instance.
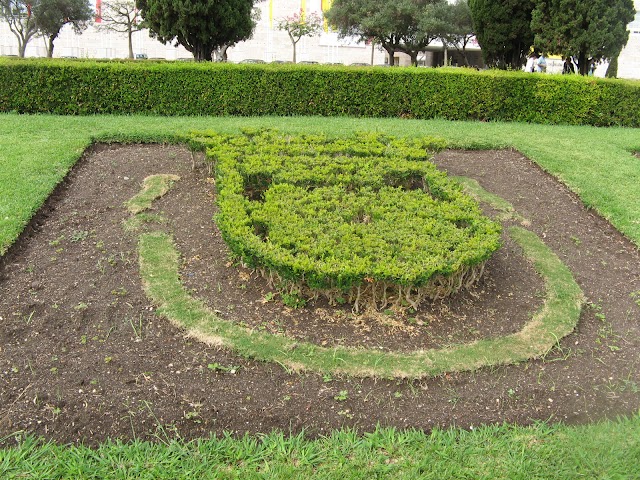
(589, 30)
(200, 26)
(503, 30)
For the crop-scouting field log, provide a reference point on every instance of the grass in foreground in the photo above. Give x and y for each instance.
(606, 450)
(36, 152)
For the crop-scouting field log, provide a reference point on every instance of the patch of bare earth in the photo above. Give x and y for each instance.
(83, 357)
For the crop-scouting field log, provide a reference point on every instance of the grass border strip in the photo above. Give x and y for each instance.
(153, 187)
(472, 187)
(558, 316)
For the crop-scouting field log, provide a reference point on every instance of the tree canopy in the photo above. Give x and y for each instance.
(200, 26)
(394, 25)
(21, 20)
(52, 15)
(453, 24)
(588, 31)
(120, 16)
(503, 30)
(300, 25)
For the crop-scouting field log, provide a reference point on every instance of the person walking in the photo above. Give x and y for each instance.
(541, 64)
(530, 66)
(567, 66)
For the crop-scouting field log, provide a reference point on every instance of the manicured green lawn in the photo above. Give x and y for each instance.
(609, 450)
(598, 164)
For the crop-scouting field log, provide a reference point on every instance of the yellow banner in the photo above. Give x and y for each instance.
(325, 5)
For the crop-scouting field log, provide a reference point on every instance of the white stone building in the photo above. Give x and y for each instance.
(629, 60)
(270, 44)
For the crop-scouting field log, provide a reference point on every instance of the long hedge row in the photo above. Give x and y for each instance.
(179, 88)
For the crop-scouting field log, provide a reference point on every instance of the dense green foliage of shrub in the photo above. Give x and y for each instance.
(366, 219)
(182, 88)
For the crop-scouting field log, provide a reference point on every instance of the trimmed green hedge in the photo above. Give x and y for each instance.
(366, 219)
(179, 88)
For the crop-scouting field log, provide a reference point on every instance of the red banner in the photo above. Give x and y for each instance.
(98, 11)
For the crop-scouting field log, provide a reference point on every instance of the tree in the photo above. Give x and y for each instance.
(22, 22)
(503, 30)
(200, 26)
(393, 25)
(52, 15)
(406, 18)
(589, 31)
(121, 16)
(612, 69)
(453, 24)
(300, 25)
(365, 20)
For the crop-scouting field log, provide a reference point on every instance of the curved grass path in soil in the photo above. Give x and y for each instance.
(558, 316)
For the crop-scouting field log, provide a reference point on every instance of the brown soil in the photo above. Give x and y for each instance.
(83, 357)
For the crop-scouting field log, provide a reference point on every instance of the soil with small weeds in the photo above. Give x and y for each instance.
(84, 357)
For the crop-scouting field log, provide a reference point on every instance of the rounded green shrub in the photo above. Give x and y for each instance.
(368, 219)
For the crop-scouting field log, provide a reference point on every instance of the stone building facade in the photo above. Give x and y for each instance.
(270, 44)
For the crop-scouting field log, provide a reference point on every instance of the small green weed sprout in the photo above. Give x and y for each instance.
(293, 299)
(79, 235)
(341, 396)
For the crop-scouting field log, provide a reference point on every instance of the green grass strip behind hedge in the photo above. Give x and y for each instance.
(176, 88)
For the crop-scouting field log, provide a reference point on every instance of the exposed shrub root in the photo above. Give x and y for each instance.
(379, 295)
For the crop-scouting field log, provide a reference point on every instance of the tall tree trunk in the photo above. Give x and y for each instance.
(22, 47)
(130, 35)
(612, 69)
(220, 55)
(50, 46)
(390, 52)
(202, 53)
(414, 58)
(463, 52)
(293, 42)
(583, 65)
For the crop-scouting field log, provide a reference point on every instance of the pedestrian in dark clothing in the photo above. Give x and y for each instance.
(567, 66)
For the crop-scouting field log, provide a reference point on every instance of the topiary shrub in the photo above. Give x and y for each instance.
(367, 220)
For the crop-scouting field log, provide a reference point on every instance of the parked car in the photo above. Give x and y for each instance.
(141, 56)
(252, 60)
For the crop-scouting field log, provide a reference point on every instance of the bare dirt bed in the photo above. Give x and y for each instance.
(83, 357)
